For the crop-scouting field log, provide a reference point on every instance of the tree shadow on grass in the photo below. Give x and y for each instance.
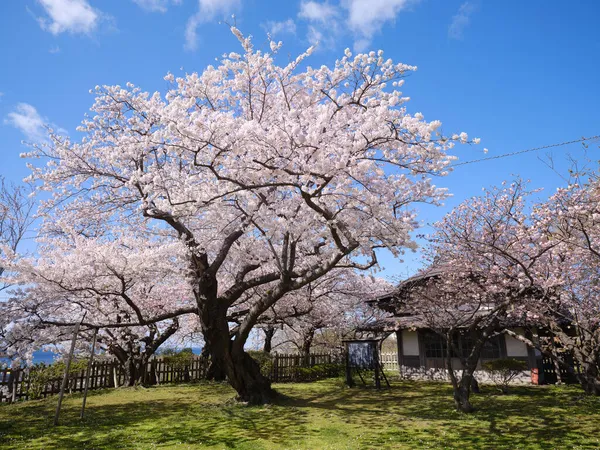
(423, 414)
(157, 422)
(410, 415)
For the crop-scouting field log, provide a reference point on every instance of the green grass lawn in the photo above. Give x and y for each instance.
(321, 415)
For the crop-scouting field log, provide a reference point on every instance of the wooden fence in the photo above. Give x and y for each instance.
(288, 368)
(389, 361)
(23, 384)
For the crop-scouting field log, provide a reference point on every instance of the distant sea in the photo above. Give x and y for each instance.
(38, 357)
(41, 356)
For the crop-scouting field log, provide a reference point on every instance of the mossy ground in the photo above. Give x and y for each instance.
(320, 415)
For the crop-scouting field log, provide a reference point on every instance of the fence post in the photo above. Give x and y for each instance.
(15, 382)
(87, 373)
(114, 374)
(275, 369)
(67, 369)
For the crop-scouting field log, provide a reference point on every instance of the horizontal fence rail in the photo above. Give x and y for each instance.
(389, 361)
(293, 367)
(28, 383)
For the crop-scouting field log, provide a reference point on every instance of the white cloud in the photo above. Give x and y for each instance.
(323, 23)
(27, 119)
(361, 45)
(283, 27)
(207, 10)
(317, 12)
(54, 49)
(363, 18)
(367, 17)
(156, 5)
(461, 20)
(73, 16)
(314, 35)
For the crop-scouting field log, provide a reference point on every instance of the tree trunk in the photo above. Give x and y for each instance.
(216, 371)
(229, 357)
(557, 371)
(135, 368)
(462, 395)
(589, 379)
(248, 381)
(591, 386)
(133, 357)
(467, 383)
(133, 365)
(461, 388)
(269, 333)
(204, 353)
(307, 340)
(475, 386)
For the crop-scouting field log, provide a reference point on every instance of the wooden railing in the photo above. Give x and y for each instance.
(288, 367)
(389, 361)
(25, 384)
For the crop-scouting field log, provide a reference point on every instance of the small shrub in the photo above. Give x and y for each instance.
(503, 371)
(178, 359)
(318, 372)
(41, 375)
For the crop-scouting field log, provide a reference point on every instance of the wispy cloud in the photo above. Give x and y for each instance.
(72, 16)
(284, 27)
(323, 22)
(208, 10)
(317, 12)
(156, 5)
(363, 18)
(461, 20)
(27, 120)
(367, 17)
(54, 49)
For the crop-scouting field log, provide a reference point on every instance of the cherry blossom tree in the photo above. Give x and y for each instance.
(485, 265)
(335, 305)
(571, 219)
(16, 216)
(549, 258)
(100, 283)
(266, 175)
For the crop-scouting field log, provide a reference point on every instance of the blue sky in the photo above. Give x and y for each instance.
(516, 74)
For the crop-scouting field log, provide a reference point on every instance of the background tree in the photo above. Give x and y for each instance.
(485, 259)
(327, 311)
(16, 216)
(115, 283)
(550, 261)
(570, 220)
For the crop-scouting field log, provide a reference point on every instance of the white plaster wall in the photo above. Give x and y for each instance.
(410, 343)
(514, 347)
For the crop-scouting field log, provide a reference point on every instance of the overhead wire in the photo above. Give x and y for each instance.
(543, 147)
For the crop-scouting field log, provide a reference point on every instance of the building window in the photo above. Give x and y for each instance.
(491, 349)
(434, 344)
